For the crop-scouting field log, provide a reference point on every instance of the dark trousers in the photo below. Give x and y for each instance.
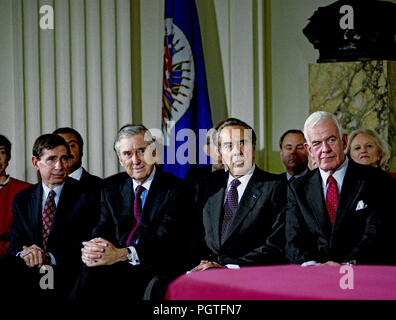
(120, 282)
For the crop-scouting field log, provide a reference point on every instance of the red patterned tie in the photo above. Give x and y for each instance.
(331, 197)
(137, 212)
(48, 216)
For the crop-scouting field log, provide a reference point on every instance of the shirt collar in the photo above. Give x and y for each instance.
(338, 175)
(5, 182)
(146, 184)
(76, 174)
(288, 175)
(47, 190)
(244, 179)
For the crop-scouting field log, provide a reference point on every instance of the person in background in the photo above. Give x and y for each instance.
(366, 147)
(9, 187)
(76, 171)
(210, 149)
(293, 154)
(341, 212)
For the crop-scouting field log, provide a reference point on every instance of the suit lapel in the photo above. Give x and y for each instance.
(35, 213)
(315, 197)
(155, 198)
(127, 197)
(350, 190)
(213, 211)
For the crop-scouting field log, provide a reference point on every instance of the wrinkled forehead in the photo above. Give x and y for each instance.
(323, 130)
(235, 133)
(134, 142)
(60, 151)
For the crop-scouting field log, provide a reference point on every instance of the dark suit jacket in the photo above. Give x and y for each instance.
(89, 180)
(246, 242)
(71, 225)
(356, 234)
(160, 228)
(195, 173)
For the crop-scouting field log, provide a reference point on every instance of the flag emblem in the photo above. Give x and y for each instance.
(179, 77)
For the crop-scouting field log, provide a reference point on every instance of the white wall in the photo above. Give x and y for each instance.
(291, 54)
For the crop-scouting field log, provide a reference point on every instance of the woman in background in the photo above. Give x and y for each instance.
(366, 147)
(8, 188)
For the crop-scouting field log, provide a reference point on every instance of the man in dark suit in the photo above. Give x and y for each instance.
(48, 226)
(76, 171)
(239, 206)
(137, 238)
(336, 213)
(293, 154)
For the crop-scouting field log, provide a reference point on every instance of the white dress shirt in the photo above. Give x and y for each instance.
(244, 182)
(76, 174)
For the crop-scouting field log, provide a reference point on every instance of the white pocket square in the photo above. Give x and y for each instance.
(361, 205)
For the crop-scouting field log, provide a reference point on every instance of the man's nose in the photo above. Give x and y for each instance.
(60, 164)
(135, 158)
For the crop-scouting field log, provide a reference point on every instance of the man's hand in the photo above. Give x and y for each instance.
(329, 263)
(33, 256)
(100, 252)
(204, 265)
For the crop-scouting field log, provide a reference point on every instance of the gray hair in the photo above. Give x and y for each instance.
(317, 117)
(381, 144)
(130, 130)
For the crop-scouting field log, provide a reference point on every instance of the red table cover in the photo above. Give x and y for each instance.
(287, 282)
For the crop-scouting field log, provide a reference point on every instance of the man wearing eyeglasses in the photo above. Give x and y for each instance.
(240, 205)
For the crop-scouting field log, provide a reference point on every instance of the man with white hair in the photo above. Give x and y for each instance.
(138, 236)
(336, 213)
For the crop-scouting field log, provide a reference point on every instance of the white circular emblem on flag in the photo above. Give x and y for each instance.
(179, 77)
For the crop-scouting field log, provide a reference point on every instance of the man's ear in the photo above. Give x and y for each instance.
(206, 149)
(35, 163)
(308, 148)
(345, 140)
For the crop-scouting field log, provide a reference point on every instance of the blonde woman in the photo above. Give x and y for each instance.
(366, 147)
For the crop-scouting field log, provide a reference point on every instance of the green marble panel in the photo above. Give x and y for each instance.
(362, 95)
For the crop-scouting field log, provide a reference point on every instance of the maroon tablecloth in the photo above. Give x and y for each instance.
(287, 282)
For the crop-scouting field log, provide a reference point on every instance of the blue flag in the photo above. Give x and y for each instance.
(186, 113)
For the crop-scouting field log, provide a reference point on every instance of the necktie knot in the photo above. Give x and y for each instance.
(292, 178)
(52, 194)
(139, 190)
(331, 180)
(235, 183)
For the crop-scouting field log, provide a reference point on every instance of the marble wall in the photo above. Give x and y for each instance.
(362, 94)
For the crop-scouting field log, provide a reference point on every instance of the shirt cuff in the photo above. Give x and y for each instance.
(308, 263)
(133, 257)
(232, 266)
(53, 260)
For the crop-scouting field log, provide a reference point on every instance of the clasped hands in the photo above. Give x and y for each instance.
(34, 256)
(100, 252)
